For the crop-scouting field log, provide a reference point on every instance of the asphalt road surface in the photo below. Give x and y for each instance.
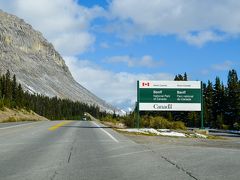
(79, 150)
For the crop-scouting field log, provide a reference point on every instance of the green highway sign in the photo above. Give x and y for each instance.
(169, 95)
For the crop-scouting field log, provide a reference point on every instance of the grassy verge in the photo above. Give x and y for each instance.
(17, 115)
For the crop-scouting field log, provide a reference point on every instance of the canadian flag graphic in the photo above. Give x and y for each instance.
(145, 84)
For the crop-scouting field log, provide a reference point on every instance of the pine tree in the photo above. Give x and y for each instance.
(193, 119)
(0, 87)
(14, 87)
(8, 86)
(233, 97)
(14, 91)
(185, 77)
(178, 77)
(3, 89)
(218, 102)
(208, 103)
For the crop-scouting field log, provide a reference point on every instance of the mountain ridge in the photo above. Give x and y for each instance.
(37, 65)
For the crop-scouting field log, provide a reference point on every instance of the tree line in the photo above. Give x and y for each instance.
(221, 104)
(12, 95)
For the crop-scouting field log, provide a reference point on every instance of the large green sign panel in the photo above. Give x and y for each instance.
(169, 95)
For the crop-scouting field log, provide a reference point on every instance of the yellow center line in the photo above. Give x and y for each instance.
(53, 128)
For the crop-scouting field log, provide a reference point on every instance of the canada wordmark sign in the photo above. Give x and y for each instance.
(169, 95)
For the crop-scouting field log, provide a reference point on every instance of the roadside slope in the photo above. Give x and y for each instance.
(15, 115)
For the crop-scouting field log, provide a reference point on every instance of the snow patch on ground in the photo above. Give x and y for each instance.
(162, 132)
(150, 131)
(159, 132)
(133, 131)
(200, 135)
(172, 133)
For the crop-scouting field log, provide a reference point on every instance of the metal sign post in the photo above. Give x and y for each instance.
(202, 107)
(138, 114)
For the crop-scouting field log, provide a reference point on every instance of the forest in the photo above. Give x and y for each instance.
(12, 95)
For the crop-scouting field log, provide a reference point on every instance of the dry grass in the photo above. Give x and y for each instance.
(15, 115)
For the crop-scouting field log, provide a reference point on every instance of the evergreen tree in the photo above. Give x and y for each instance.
(0, 87)
(8, 86)
(218, 102)
(19, 96)
(178, 77)
(193, 119)
(185, 77)
(14, 89)
(3, 82)
(208, 103)
(233, 98)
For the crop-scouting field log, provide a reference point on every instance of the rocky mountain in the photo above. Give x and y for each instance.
(37, 65)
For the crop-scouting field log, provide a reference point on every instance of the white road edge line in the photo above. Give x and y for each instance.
(113, 138)
(131, 153)
(17, 125)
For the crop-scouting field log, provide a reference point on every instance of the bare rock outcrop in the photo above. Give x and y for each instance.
(37, 65)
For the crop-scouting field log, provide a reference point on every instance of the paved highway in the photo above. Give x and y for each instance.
(79, 150)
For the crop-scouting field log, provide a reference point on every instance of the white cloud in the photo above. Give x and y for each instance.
(104, 45)
(225, 66)
(177, 17)
(66, 22)
(145, 61)
(118, 89)
(63, 22)
(201, 38)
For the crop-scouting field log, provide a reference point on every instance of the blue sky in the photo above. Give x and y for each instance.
(87, 3)
(110, 44)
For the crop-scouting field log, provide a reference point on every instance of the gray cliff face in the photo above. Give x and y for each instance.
(37, 65)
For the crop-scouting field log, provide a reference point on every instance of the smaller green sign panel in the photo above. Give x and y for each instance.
(151, 95)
